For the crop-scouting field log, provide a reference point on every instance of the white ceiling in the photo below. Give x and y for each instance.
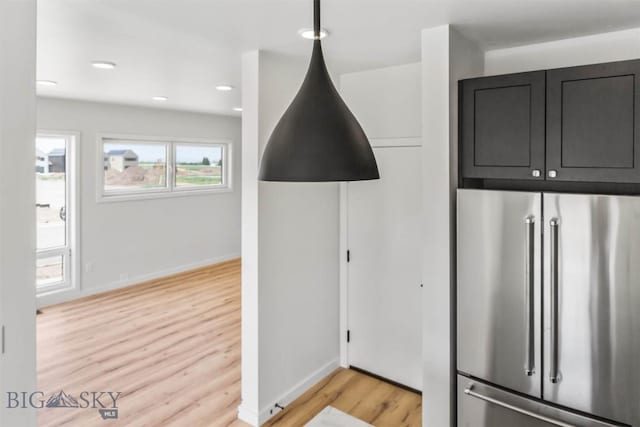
(184, 48)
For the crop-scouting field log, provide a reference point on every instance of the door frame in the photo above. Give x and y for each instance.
(344, 242)
(72, 178)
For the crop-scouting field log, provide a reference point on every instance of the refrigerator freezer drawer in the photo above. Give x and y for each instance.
(481, 405)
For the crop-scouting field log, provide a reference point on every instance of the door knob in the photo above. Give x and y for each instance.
(553, 173)
(535, 173)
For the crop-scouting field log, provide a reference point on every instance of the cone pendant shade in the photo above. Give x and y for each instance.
(318, 139)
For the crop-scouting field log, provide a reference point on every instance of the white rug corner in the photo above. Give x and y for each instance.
(332, 417)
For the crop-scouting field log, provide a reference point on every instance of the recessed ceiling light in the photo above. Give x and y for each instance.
(160, 98)
(307, 33)
(237, 108)
(47, 83)
(224, 88)
(103, 65)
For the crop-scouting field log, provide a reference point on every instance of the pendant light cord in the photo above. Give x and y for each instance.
(316, 19)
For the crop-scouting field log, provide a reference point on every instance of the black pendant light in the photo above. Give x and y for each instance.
(318, 138)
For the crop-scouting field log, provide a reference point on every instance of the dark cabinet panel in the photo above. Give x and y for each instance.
(503, 126)
(593, 123)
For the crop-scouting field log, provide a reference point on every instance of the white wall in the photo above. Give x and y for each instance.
(290, 256)
(249, 408)
(386, 101)
(17, 213)
(446, 57)
(145, 238)
(605, 47)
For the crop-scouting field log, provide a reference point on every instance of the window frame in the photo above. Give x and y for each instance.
(69, 252)
(170, 190)
(134, 191)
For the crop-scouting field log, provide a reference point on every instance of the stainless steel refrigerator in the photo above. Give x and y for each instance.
(548, 309)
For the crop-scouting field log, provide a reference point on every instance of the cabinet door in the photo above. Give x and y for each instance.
(503, 126)
(593, 115)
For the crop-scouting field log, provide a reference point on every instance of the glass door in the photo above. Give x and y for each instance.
(54, 216)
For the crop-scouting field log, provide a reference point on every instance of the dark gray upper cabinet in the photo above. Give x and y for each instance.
(503, 126)
(570, 125)
(593, 123)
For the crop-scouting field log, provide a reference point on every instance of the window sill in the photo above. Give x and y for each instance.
(52, 289)
(150, 195)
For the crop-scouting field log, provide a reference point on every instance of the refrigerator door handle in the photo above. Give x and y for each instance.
(553, 364)
(529, 295)
(469, 391)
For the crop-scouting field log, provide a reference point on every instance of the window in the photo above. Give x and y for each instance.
(55, 168)
(198, 165)
(157, 167)
(50, 270)
(134, 166)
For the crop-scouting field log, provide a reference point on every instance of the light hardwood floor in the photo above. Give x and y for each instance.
(369, 399)
(172, 348)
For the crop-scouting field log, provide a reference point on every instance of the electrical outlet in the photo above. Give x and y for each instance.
(88, 267)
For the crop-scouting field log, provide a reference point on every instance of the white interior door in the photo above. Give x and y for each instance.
(384, 272)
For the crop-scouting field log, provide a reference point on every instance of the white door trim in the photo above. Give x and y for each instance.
(396, 142)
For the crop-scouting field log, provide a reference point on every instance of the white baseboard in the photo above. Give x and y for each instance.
(297, 390)
(248, 416)
(65, 295)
